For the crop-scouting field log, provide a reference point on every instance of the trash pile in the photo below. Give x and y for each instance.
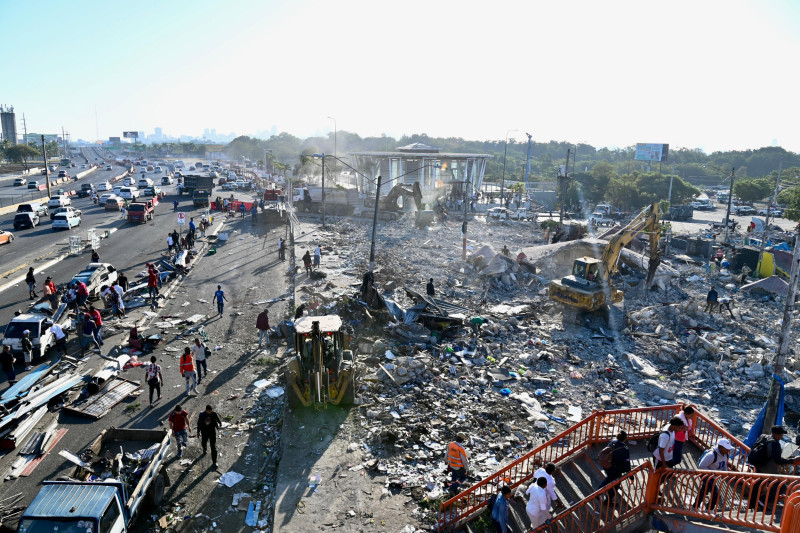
(523, 376)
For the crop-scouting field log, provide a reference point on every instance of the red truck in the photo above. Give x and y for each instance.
(272, 195)
(141, 211)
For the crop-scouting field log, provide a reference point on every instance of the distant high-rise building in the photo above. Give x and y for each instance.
(9, 123)
(159, 134)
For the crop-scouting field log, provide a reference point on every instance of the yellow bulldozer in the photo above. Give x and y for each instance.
(590, 288)
(322, 370)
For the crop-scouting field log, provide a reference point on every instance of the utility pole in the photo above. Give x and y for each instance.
(766, 220)
(374, 225)
(672, 177)
(323, 192)
(728, 212)
(771, 412)
(46, 168)
(563, 180)
(528, 162)
(464, 219)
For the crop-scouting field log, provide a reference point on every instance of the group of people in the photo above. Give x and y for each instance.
(668, 449)
(307, 259)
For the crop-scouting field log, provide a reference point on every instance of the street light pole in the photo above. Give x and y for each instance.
(323, 190)
(374, 226)
(503, 182)
(728, 211)
(335, 154)
(46, 168)
(771, 411)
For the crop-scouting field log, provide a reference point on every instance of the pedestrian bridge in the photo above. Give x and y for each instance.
(646, 499)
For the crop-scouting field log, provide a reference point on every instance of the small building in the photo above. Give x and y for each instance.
(438, 173)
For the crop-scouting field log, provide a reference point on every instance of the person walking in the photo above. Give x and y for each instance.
(199, 354)
(152, 286)
(170, 243)
(122, 281)
(95, 256)
(500, 510)
(82, 293)
(547, 472)
(188, 370)
(7, 361)
(181, 426)
(766, 456)
(682, 435)
(192, 227)
(298, 313)
(119, 303)
(281, 249)
(31, 281)
(60, 337)
(176, 240)
(123, 212)
(618, 462)
(242, 208)
(666, 444)
(207, 424)
(715, 458)
(317, 256)
(94, 315)
(154, 378)
(219, 297)
(254, 211)
(27, 348)
(538, 507)
(262, 325)
(711, 300)
(458, 461)
(87, 332)
(307, 261)
(429, 289)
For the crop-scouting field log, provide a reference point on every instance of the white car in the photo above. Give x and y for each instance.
(108, 167)
(145, 182)
(20, 181)
(60, 200)
(127, 182)
(157, 170)
(66, 220)
(104, 186)
(105, 197)
(167, 180)
(129, 193)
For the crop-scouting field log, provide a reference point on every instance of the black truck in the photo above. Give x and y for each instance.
(193, 181)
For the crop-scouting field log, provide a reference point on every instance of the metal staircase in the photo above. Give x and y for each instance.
(668, 497)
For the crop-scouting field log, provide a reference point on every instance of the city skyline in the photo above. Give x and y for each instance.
(688, 74)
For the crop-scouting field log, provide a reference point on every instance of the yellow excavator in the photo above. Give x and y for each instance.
(322, 370)
(590, 288)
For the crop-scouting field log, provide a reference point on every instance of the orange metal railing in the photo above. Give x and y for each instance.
(599, 427)
(790, 522)
(628, 501)
(735, 498)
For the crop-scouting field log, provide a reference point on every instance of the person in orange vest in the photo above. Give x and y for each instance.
(188, 370)
(458, 462)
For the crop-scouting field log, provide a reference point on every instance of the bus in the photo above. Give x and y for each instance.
(65, 161)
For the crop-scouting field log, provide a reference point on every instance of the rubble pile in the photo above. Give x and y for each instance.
(525, 376)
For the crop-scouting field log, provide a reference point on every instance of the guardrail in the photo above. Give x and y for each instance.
(629, 500)
(735, 498)
(599, 427)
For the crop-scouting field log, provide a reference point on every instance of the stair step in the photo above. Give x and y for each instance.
(590, 469)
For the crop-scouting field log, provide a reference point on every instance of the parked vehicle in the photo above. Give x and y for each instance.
(20, 181)
(523, 214)
(110, 506)
(167, 180)
(497, 213)
(6, 237)
(193, 181)
(95, 275)
(153, 191)
(38, 324)
(680, 212)
(201, 197)
(64, 210)
(600, 219)
(744, 210)
(25, 220)
(66, 220)
(140, 211)
(33, 207)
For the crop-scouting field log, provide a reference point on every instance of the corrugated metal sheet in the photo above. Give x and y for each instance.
(85, 500)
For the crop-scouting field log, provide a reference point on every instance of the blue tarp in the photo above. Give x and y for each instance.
(758, 427)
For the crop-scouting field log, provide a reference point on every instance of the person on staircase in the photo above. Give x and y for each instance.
(620, 462)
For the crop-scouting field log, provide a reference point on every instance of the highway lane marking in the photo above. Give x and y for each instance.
(35, 271)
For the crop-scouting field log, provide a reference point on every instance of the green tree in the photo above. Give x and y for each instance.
(20, 153)
(752, 190)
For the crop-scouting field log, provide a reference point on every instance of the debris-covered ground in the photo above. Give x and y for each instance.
(525, 377)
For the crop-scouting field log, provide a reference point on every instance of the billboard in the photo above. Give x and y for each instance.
(651, 152)
(36, 138)
(130, 134)
(114, 140)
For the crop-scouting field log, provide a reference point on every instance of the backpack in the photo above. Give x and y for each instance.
(759, 453)
(708, 453)
(652, 444)
(490, 503)
(606, 456)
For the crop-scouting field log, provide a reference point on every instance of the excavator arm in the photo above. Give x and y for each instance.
(390, 200)
(646, 220)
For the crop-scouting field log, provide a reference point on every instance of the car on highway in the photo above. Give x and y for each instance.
(105, 196)
(108, 167)
(104, 186)
(151, 191)
(95, 275)
(52, 168)
(242, 184)
(213, 174)
(62, 173)
(59, 200)
(87, 189)
(66, 209)
(113, 203)
(43, 172)
(167, 180)
(83, 166)
(33, 207)
(67, 220)
(38, 327)
(191, 168)
(229, 186)
(25, 220)
(20, 181)
(158, 170)
(145, 182)
(129, 193)
(33, 184)
(6, 237)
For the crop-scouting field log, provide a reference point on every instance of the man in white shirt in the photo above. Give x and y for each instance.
(666, 443)
(120, 302)
(199, 353)
(60, 336)
(547, 472)
(317, 254)
(538, 508)
(715, 458)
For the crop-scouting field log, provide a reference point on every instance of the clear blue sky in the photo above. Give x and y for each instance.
(713, 74)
